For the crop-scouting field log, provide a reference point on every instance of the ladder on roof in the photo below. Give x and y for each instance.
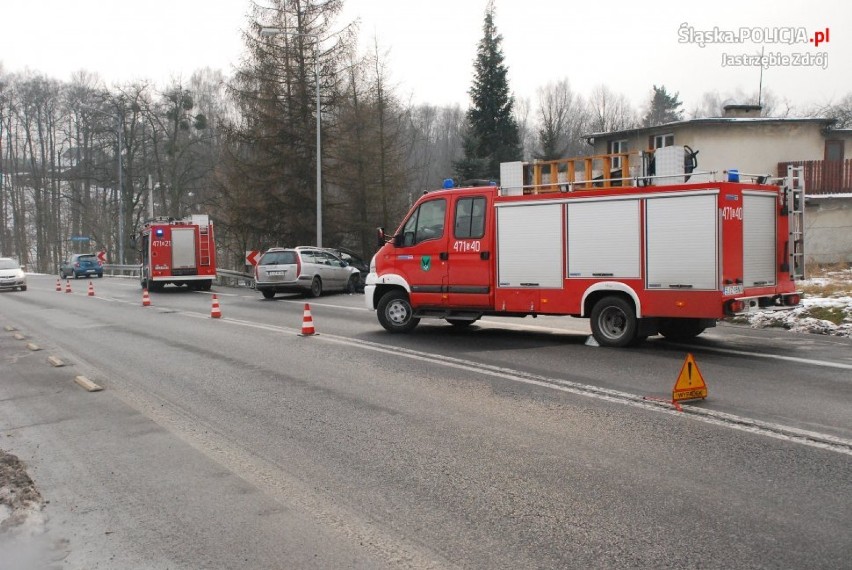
(794, 205)
(204, 245)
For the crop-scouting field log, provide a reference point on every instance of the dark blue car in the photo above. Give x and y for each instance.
(81, 265)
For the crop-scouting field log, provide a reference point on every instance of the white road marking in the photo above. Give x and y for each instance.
(731, 421)
(823, 363)
(768, 429)
(580, 329)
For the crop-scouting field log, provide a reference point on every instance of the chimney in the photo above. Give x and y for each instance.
(742, 111)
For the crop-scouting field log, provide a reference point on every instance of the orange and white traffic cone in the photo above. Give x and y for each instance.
(215, 312)
(146, 300)
(307, 322)
(91, 289)
(67, 285)
(59, 285)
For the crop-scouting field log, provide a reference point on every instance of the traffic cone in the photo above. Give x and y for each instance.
(215, 312)
(59, 285)
(307, 322)
(91, 289)
(67, 285)
(146, 300)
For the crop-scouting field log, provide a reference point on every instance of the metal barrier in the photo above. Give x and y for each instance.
(224, 277)
(234, 278)
(122, 270)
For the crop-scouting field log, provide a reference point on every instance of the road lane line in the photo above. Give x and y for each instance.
(768, 429)
(493, 324)
(823, 363)
(731, 421)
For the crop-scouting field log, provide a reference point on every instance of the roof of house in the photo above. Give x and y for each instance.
(714, 121)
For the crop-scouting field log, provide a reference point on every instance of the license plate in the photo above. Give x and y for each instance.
(274, 273)
(733, 290)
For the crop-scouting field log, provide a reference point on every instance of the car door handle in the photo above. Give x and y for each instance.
(485, 255)
(444, 256)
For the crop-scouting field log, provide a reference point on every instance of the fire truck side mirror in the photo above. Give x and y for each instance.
(133, 241)
(380, 236)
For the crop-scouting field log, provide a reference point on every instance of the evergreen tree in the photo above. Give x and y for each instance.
(665, 108)
(491, 135)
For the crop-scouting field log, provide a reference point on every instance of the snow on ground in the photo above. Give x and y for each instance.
(829, 294)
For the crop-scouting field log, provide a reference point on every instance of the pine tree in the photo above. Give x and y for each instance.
(664, 108)
(491, 132)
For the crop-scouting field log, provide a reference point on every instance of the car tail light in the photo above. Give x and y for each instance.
(298, 265)
(733, 307)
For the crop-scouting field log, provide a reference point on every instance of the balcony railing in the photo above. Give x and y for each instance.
(823, 176)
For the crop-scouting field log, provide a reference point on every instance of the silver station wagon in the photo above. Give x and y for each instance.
(307, 270)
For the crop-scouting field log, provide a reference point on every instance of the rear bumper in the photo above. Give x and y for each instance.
(278, 287)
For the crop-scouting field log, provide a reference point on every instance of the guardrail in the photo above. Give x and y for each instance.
(125, 270)
(223, 276)
(234, 278)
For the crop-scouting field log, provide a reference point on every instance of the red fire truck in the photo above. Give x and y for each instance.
(181, 252)
(664, 249)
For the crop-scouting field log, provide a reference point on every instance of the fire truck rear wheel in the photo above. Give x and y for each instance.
(395, 312)
(613, 322)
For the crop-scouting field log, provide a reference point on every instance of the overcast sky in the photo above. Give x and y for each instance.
(431, 45)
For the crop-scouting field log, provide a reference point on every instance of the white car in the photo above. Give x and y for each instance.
(12, 275)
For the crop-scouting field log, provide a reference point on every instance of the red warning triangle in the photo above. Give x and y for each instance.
(690, 384)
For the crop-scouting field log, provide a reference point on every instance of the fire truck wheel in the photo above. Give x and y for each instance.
(316, 287)
(613, 322)
(395, 312)
(681, 329)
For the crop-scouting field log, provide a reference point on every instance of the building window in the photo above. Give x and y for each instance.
(834, 150)
(616, 147)
(659, 141)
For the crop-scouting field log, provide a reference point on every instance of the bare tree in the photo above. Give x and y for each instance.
(563, 120)
(841, 112)
(526, 127)
(436, 133)
(713, 104)
(610, 111)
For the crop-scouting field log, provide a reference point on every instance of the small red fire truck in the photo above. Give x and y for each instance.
(663, 249)
(181, 252)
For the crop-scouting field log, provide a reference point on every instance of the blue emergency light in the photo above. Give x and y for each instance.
(159, 232)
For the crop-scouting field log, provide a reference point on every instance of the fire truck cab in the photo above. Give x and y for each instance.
(663, 249)
(181, 252)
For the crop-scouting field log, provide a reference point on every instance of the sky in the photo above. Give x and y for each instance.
(430, 46)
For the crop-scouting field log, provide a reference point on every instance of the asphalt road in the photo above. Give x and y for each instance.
(237, 443)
